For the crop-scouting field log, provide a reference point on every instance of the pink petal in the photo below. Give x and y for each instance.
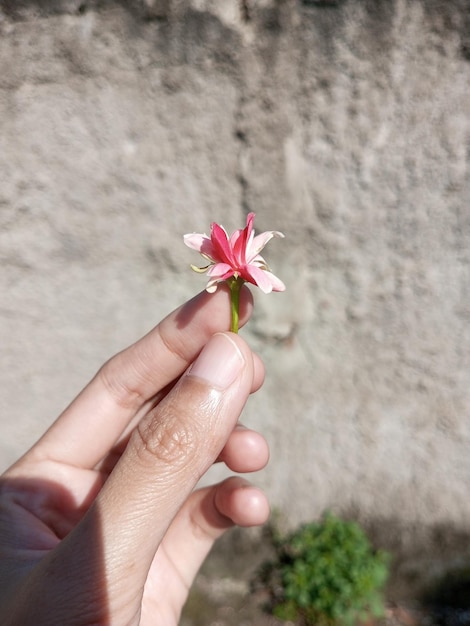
(194, 241)
(264, 279)
(220, 244)
(276, 282)
(237, 244)
(201, 243)
(236, 256)
(250, 218)
(240, 241)
(258, 277)
(221, 271)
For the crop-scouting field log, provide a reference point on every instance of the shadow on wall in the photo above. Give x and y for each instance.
(421, 554)
(327, 15)
(140, 9)
(148, 9)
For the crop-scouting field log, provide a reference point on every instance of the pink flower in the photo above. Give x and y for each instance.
(237, 256)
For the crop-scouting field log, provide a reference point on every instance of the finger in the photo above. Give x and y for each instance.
(258, 380)
(108, 463)
(245, 451)
(126, 385)
(206, 515)
(169, 451)
(258, 373)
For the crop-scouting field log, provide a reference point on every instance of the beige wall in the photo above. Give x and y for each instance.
(345, 126)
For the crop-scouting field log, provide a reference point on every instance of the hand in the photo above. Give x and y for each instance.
(99, 521)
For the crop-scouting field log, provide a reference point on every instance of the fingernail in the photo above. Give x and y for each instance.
(219, 363)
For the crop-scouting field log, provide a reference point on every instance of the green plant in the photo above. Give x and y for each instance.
(326, 573)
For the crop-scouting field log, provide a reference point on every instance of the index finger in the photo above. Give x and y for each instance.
(126, 384)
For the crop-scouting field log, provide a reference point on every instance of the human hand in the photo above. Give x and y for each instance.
(99, 523)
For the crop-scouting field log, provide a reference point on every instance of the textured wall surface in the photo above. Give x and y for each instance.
(344, 124)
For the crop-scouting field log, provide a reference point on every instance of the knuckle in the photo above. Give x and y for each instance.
(168, 439)
(183, 430)
(123, 393)
(176, 345)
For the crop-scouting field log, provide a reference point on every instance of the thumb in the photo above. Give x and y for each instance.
(167, 454)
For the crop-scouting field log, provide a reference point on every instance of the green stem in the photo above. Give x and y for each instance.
(235, 286)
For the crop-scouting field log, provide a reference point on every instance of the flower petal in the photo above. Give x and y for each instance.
(258, 243)
(212, 285)
(201, 243)
(258, 277)
(250, 218)
(240, 241)
(221, 271)
(194, 240)
(259, 262)
(237, 244)
(276, 283)
(221, 245)
(235, 256)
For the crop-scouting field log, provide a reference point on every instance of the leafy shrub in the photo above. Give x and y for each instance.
(326, 573)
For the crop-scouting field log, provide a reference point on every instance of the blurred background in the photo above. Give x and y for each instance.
(346, 125)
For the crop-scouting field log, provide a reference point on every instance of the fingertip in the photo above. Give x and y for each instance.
(223, 294)
(211, 311)
(254, 506)
(245, 451)
(258, 373)
(206, 515)
(241, 502)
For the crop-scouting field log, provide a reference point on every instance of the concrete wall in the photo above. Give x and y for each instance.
(344, 124)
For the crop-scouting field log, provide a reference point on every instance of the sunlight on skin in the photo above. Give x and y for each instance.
(99, 521)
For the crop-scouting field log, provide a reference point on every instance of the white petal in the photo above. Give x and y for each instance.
(212, 285)
(255, 246)
(195, 241)
(276, 283)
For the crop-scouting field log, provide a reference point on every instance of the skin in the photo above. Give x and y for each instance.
(100, 523)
